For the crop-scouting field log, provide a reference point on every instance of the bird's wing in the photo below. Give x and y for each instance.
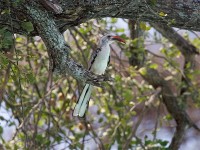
(92, 58)
(108, 60)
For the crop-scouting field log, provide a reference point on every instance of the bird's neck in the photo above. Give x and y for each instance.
(105, 48)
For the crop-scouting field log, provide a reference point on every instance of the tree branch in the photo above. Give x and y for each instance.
(175, 13)
(58, 50)
(71, 13)
(186, 48)
(188, 51)
(181, 117)
(153, 78)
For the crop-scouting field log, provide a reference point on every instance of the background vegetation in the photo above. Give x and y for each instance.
(150, 73)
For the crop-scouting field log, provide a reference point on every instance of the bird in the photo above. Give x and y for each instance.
(98, 63)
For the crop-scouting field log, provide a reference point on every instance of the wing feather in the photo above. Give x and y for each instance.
(93, 57)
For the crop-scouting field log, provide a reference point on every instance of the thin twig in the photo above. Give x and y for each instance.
(41, 101)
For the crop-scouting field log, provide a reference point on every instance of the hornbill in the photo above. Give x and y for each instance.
(98, 63)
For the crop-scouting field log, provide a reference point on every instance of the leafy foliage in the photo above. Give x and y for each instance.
(40, 104)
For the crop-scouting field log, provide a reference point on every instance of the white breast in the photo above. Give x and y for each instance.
(100, 64)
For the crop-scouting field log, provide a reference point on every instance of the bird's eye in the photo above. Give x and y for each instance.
(109, 36)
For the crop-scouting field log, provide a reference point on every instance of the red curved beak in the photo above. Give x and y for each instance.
(117, 38)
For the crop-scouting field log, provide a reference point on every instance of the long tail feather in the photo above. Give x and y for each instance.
(83, 101)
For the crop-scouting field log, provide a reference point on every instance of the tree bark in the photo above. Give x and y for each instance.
(60, 15)
(171, 102)
(57, 48)
(179, 114)
(176, 13)
(50, 22)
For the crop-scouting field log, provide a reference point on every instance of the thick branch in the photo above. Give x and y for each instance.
(171, 102)
(186, 48)
(175, 13)
(57, 48)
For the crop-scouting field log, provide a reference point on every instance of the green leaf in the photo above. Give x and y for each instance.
(153, 2)
(17, 2)
(164, 143)
(28, 26)
(1, 130)
(30, 77)
(58, 139)
(100, 120)
(4, 61)
(118, 78)
(168, 117)
(143, 71)
(5, 11)
(173, 21)
(153, 66)
(16, 147)
(6, 38)
(2, 118)
(148, 142)
(113, 20)
(11, 124)
(144, 27)
(119, 30)
(162, 14)
(128, 95)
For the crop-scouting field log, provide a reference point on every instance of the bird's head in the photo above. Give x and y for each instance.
(108, 39)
